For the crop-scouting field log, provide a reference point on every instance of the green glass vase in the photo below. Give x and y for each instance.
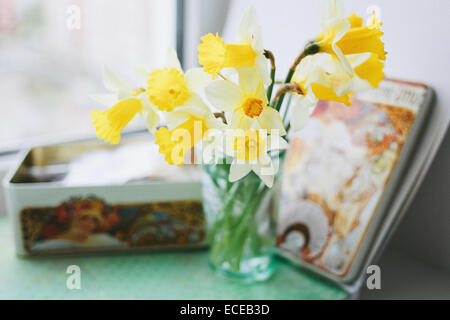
(241, 218)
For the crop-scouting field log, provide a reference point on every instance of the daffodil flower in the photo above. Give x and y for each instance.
(126, 103)
(247, 102)
(187, 116)
(251, 149)
(325, 77)
(321, 76)
(215, 55)
(348, 36)
(187, 126)
(368, 70)
(169, 88)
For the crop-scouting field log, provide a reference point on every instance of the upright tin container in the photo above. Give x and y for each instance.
(343, 172)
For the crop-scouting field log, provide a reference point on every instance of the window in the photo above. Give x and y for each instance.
(52, 54)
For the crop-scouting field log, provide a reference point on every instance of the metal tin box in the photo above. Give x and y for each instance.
(55, 214)
(343, 172)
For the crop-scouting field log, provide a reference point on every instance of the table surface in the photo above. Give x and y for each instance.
(150, 275)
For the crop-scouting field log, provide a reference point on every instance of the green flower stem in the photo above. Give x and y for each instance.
(310, 49)
(270, 88)
(223, 248)
(287, 131)
(255, 241)
(281, 98)
(225, 221)
(243, 226)
(269, 55)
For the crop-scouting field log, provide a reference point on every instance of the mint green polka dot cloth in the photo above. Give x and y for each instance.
(146, 275)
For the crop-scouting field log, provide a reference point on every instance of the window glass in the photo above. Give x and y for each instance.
(51, 58)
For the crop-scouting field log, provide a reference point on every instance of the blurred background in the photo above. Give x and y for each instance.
(51, 58)
(52, 53)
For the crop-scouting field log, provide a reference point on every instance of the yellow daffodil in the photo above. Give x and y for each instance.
(126, 103)
(247, 102)
(325, 77)
(321, 76)
(348, 36)
(187, 125)
(169, 88)
(175, 93)
(368, 70)
(251, 154)
(176, 142)
(215, 55)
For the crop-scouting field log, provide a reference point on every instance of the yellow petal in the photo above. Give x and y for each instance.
(110, 123)
(167, 89)
(371, 70)
(363, 39)
(211, 53)
(324, 93)
(355, 21)
(250, 145)
(239, 55)
(175, 143)
(214, 54)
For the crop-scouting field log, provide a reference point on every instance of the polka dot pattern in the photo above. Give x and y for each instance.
(149, 275)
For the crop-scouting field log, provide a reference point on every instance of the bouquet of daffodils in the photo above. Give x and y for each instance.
(232, 107)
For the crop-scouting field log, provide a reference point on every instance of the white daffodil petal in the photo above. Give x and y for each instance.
(360, 84)
(247, 25)
(149, 112)
(257, 43)
(262, 66)
(230, 74)
(343, 59)
(142, 73)
(223, 94)
(357, 59)
(238, 170)
(172, 60)
(249, 80)
(195, 101)
(338, 27)
(331, 9)
(261, 94)
(112, 82)
(326, 70)
(215, 123)
(266, 173)
(270, 120)
(107, 100)
(240, 121)
(150, 118)
(302, 107)
(197, 79)
(174, 119)
(275, 142)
